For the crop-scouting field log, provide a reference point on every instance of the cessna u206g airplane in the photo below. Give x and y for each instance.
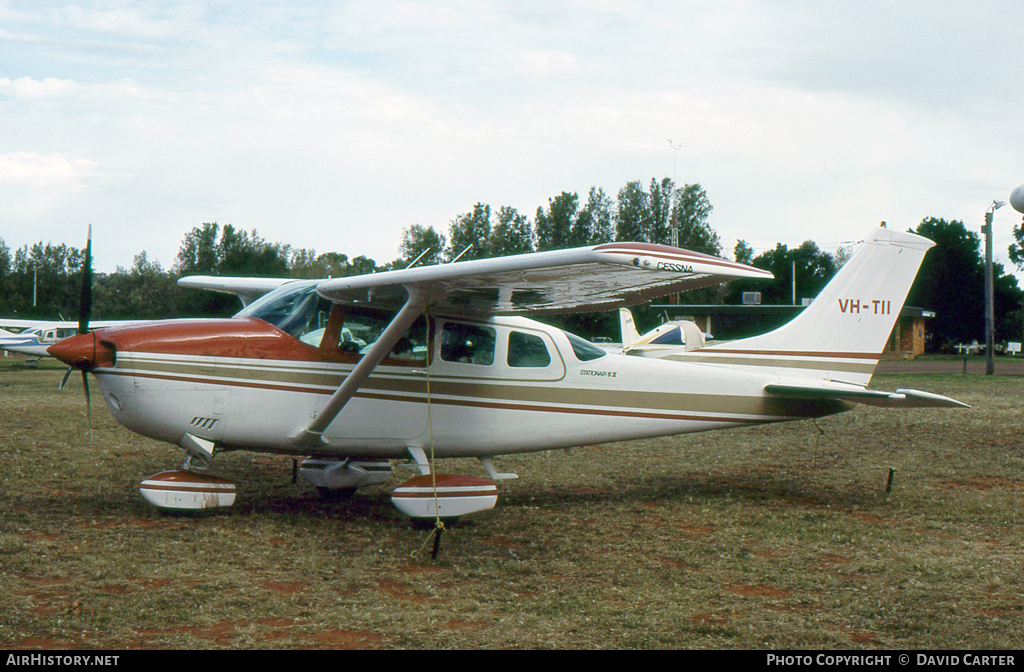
(355, 372)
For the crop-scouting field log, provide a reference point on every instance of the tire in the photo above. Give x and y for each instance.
(337, 494)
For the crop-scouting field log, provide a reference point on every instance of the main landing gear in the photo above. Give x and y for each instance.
(184, 490)
(424, 498)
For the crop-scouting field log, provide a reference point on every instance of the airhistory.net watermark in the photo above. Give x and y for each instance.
(54, 660)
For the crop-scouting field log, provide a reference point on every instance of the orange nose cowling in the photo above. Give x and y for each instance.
(78, 351)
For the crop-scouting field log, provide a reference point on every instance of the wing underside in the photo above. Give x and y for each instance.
(582, 279)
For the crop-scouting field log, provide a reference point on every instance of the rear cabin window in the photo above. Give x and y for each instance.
(527, 351)
(467, 343)
(584, 350)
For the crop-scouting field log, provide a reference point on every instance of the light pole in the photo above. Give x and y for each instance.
(990, 342)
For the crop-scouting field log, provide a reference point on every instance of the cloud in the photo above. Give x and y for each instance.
(335, 125)
(28, 89)
(36, 170)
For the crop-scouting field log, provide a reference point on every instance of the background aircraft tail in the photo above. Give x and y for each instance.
(842, 333)
(629, 333)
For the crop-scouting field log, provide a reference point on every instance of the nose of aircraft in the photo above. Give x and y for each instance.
(78, 351)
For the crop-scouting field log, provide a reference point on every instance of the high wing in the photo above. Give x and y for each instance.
(603, 277)
(246, 289)
(588, 278)
(901, 398)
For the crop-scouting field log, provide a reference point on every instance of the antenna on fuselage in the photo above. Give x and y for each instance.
(417, 259)
(468, 248)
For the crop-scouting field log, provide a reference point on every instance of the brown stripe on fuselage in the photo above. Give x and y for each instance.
(792, 353)
(527, 397)
(708, 357)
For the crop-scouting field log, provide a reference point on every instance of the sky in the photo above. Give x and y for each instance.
(336, 125)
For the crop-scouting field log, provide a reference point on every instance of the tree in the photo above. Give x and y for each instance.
(243, 254)
(145, 291)
(50, 273)
(418, 239)
(207, 250)
(469, 235)
(596, 222)
(632, 213)
(743, 253)
(512, 233)
(554, 226)
(1016, 250)
(692, 209)
(951, 282)
(814, 268)
(661, 203)
(198, 253)
(7, 280)
(649, 217)
(306, 263)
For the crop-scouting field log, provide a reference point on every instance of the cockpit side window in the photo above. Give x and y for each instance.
(295, 309)
(670, 337)
(362, 327)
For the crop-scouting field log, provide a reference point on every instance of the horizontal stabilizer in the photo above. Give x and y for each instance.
(901, 398)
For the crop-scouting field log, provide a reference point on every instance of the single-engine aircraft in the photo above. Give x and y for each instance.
(437, 362)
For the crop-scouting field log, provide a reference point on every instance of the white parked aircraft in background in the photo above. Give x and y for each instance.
(665, 339)
(436, 362)
(36, 336)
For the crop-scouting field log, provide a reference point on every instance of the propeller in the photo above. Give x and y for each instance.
(84, 364)
(85, 304)
(84, 311)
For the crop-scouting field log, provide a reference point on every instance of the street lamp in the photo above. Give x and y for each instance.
(990, 365)
(1017, 201)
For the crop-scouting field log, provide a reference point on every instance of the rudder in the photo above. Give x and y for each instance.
(842, 333)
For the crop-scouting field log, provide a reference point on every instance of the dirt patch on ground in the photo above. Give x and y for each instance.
(1004, 366)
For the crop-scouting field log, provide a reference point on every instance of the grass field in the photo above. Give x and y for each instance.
(772, 537)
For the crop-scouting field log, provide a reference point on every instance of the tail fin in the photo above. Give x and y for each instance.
(842, 333)
(629, 333)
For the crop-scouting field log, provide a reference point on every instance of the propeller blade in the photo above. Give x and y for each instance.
(88, 402)
(85, 304)
(64, 380)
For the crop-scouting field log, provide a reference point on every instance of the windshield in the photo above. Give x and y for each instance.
(294, 308)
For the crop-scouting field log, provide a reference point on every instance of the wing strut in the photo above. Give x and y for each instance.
(413, 308)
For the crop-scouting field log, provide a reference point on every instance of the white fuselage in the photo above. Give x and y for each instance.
(241, 400)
